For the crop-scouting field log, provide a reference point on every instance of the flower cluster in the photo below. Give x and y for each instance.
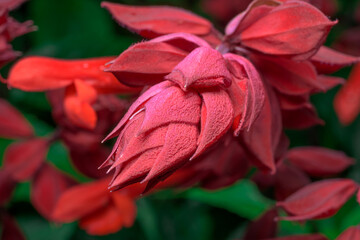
(203, 108)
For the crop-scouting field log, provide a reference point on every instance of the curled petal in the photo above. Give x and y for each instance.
(47, 186)
(216, 118)
(319, 162)
(153, 21)
(12, 122)
(132, 66)
(252, 85)
(79, 112)
(192, 73)
(23, 159)
(318, 200)
(328, 61)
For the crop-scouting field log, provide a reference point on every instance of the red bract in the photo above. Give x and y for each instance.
(23, 159)
(347, 100)
(46, 188)
(318, 200)
(351, 233)
(274, 28)
(84, 81)
(99, 211)
(319, 162)
(12, 122)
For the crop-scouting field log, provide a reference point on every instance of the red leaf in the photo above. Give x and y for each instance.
(23, 159)
(266, 223)
(292, 28)
(249, 81)
(319, 162)
(47, 187)
(132, 66)
(347, 100)
(327, 60)
(153, 21)
(10, 229)
(300, 237)
(81, 200)
(12, 122)
(351, 233)
(7, 186)
(318, 200)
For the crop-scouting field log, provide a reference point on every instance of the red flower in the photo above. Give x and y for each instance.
(83, 80)
(98, 211)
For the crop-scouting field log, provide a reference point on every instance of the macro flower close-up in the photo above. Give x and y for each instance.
(166, 119)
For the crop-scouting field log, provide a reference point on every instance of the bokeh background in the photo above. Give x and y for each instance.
(80, 29)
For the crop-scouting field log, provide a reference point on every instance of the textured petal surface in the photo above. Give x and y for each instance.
(253, 87)
(318, 200)
(281, 32)
(191, 73)
(146, 63)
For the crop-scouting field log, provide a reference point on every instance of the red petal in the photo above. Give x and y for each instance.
(327, 60)
(153, 21)
(190, 72)
(23, 159)
(289, 77)
(293, 28)
(85, 92)
(347, 100)
(81, 200)
(263, 137)
(12, 122)
(47, 186)
(79, 112)
(351, 233)
(136, 106)
(132, 66)
(41, 74)
(318, 200)
(319, 162)
(253, 87)
(216, 121)
(301, 118)
(289, 179)
(266, 223)
(184, 41)
(328, 82)
(7, 186)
